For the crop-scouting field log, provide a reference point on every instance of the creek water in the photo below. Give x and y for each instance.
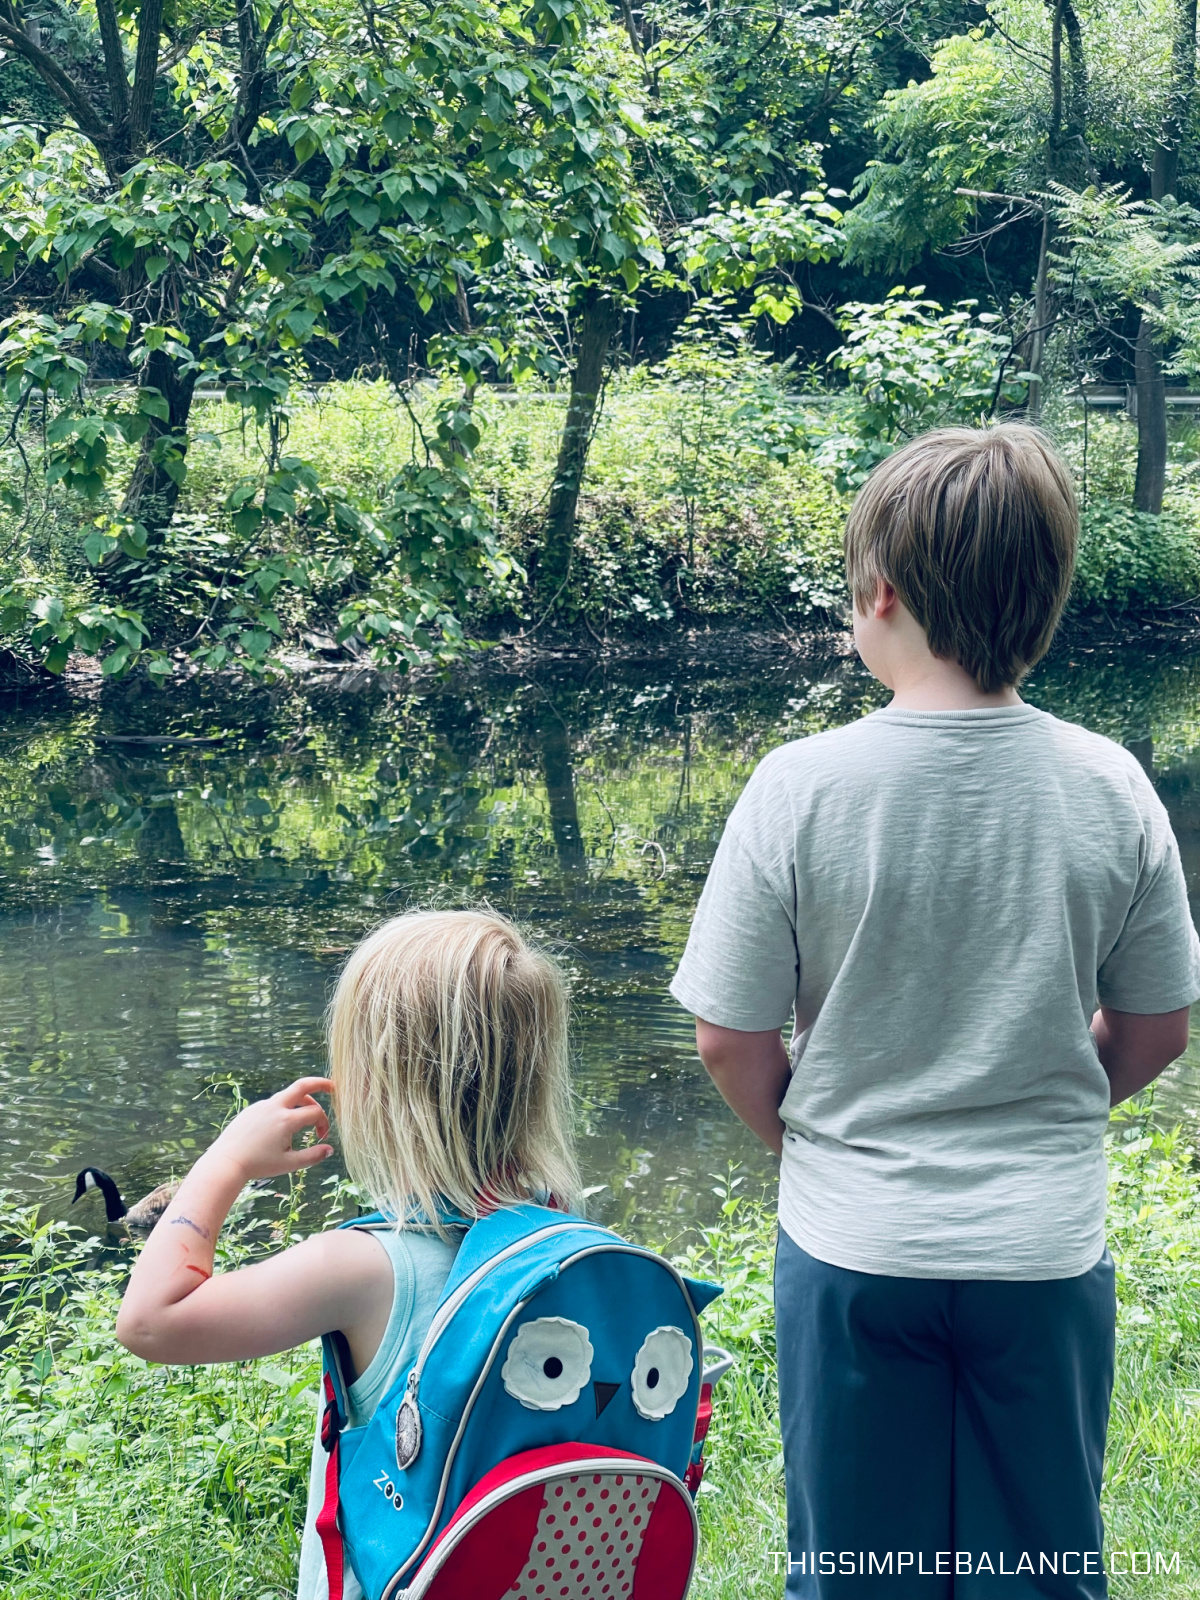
(182, 872)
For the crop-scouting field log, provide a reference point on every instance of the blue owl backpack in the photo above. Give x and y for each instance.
(546, 1443)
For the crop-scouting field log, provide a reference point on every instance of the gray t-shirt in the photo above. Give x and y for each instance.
(943, 897)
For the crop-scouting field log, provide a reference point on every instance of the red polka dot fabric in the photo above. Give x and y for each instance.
(588, 1539)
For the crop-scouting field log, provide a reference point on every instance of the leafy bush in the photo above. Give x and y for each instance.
(120, 1480)
(911, 365)
(1129, 558)
(712, 492)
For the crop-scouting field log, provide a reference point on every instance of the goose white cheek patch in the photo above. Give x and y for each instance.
(588, 1540)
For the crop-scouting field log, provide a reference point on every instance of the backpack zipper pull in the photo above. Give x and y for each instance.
(408, 1424)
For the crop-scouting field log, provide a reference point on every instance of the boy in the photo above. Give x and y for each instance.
(943, 893)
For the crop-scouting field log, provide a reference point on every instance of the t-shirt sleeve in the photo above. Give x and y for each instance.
(741, 967)
(1155, 964)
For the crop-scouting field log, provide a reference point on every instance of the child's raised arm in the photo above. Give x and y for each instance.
(175, 1311)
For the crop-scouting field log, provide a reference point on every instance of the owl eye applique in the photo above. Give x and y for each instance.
(548, 1364)
(661, 1371)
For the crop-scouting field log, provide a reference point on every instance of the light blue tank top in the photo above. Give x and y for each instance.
(421, 1264)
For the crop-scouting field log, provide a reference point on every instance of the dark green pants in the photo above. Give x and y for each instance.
(943, 1437)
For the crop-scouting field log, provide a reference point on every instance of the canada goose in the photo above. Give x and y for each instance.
(143, 1215)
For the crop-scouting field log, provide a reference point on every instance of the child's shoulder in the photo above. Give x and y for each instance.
(1027, 731)
(817, 757)
(899, 752)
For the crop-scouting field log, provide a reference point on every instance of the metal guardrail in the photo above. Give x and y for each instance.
(1111, 397)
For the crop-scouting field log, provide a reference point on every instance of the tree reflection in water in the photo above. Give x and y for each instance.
(174, 910)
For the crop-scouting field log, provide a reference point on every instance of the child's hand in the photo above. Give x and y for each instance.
(259, 1139)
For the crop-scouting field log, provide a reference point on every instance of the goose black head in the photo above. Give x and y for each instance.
(93, 1178)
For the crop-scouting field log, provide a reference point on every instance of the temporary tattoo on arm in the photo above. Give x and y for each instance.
(194, 1226)
(189, 1268)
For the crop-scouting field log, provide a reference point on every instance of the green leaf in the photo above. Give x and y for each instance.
(152, 404)
(247, 521)
(365, 212)
(97, 545)
(156, 266)
(300, 322)
(255, 642)
(115, 663)
(55, 658)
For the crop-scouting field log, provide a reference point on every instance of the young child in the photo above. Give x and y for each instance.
(977, 916)
(449, 1065)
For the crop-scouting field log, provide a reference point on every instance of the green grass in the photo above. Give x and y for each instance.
(120, 1481)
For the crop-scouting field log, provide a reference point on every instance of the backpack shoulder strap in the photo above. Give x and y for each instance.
(415, 1222)
(333, 1420)
(336, 1412)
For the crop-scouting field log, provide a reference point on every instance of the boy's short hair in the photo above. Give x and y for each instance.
(975, 529)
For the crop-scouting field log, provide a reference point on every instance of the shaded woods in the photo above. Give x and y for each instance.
(800, 235)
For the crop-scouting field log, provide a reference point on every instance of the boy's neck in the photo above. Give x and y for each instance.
(894, 648)
(933, 685)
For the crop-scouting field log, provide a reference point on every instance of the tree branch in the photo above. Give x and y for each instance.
(145, 72)
(65, 89)
(252, 49)
(180, 50)
(93, 263)
(631, 27)
(1009, 199)
(114, 61)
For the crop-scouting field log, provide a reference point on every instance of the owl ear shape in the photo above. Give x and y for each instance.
(701, 1293)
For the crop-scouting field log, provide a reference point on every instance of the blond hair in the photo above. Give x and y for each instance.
(449, 1057)
(975, 529)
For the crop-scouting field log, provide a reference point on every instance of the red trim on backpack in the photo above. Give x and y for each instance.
(550, 1455)
(327, 1518)
(658, 1575)
(695, 1472)
(703, 1414)
(496, 1549)
(482, 1553)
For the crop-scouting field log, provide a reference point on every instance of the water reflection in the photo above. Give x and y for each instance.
(181, 873)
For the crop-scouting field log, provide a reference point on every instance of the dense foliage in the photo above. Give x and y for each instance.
(207, 212)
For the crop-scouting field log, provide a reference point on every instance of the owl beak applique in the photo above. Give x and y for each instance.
(604, 1393)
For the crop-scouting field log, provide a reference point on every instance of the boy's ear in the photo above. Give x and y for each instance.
(886, 599)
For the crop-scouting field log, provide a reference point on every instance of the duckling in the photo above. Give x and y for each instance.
(143, 1215)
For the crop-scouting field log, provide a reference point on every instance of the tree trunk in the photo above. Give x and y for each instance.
(1151, 478)
(1042, 318)
(560, 792)
(601, 317)
(467, 403)
(152, 492)
(1068, 157)
(1068, 161)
